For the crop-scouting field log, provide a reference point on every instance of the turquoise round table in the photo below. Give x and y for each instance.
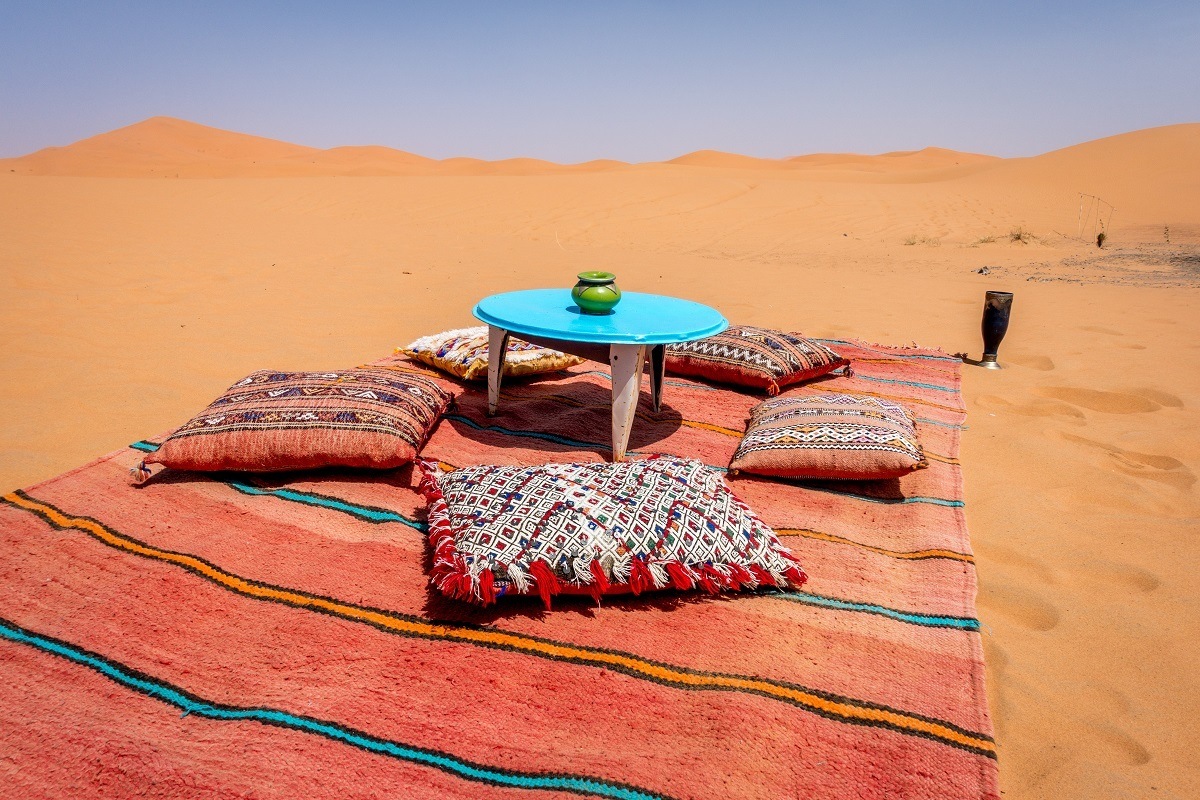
(637, 330)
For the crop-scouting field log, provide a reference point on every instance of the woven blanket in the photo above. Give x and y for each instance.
(276, 636)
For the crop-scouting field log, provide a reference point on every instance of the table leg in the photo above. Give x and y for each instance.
(658, 368)
(626, 362)
(497, 349)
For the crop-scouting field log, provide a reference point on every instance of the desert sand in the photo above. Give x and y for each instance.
(145, 269)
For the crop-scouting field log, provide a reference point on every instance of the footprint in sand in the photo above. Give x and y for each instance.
(1127, 749)
(1148, 466)
(1042, 363)
(1020, 605)
(1108, 402)
(1035, 408)
(1100, 329)
(1016, 559)
(1108, 575)
(1162, 398)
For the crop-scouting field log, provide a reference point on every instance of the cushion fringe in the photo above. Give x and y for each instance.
(483, 583)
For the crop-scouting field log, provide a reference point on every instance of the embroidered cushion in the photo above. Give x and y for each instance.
(271, 421)
(464, 354)
(596, 529)
(757, 357)
(829, 436)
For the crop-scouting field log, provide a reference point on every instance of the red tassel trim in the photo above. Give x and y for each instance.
(761, 576)
(739, 576)
(795, 576)
(640, 577)
(449, 573)
(487, 586)
(679, 576)
(710, 580)
(600, 582)
(546, 580)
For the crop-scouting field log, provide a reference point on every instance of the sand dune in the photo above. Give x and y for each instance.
(173, 148)
(157, 147)
(128, 304)
(167, 147)
(719, 160)
(1151, 177)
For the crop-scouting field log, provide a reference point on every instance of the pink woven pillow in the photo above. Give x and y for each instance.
(273, 421)
(596, 529)
(757, 357)
(831, 436)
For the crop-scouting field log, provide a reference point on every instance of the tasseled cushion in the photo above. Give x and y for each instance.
(657, 523)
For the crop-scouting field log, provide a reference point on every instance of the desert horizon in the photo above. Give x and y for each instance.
(130, 303)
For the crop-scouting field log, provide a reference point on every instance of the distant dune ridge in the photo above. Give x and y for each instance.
(1146, 174)
(169, 147)
(164, 146)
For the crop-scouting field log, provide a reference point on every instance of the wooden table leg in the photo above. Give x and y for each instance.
(658, 368)
(497, 349)
(626, 362)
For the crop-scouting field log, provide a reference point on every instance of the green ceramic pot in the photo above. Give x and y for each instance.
(596, 292)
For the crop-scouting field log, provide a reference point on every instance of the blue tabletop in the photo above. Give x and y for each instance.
(638, 319)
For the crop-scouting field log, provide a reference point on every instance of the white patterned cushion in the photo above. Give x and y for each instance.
(596, 528)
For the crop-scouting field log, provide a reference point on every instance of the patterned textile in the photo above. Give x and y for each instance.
(829, 436)
(757, 357)
(596, 528)
(464, 354)
(273, 421)
(275, 635)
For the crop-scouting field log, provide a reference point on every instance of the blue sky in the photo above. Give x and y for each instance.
(571, 81)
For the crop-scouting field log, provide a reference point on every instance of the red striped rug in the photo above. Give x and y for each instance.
(276, 636)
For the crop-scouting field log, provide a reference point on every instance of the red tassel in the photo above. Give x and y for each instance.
(640, 578)
(738, 576)
(598, 574)
(679, 577)
(458, 585)
(796, 576)
(547, 582)
(710, 579)
(764, 578)
(600, 582)
(487, 587)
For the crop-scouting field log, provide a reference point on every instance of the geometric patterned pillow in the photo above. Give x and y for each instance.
(757, 357)
(464, 354)
(829, 436)
(596, 529)
(273, 421)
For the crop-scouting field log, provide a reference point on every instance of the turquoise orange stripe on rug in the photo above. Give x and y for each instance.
(843, 709)
(929, 620)
(191, 704)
